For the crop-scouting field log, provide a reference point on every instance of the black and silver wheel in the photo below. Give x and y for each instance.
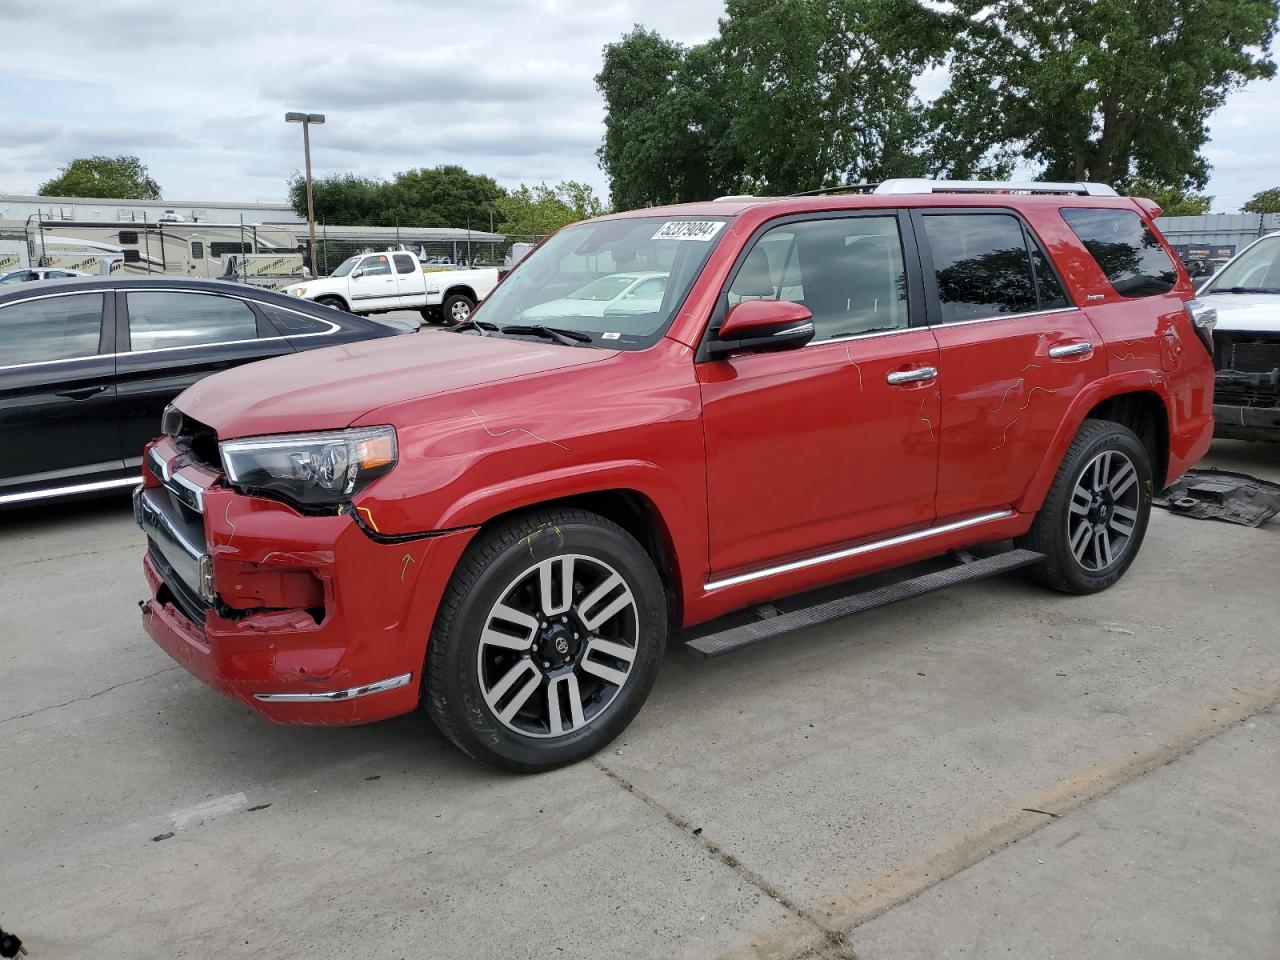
(1095, 515)
(547, 641)
(457, 307)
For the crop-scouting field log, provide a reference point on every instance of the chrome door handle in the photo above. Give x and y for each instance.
(911, 376)
(1070, 349)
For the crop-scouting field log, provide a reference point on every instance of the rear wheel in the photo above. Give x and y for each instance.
(547, 641)
(1095, 516)
(457, 307)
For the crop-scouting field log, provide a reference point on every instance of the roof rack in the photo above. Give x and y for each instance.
(992, 186)
(846, 188)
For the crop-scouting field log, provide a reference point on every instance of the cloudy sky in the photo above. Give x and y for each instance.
(502, 87)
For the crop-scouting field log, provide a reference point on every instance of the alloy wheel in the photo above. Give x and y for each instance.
(1104, 511)
(459, 311)
(558, 646)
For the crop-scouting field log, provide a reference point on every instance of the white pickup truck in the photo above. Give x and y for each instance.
(397, 280)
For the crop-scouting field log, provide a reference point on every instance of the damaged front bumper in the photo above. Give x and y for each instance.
(304, 618)
(1246, 404)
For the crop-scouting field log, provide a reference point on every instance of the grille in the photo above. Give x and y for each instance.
(196, 438)
(1246, 352)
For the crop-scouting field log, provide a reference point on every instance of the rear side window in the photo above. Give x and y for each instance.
(404, 263)
(1126, 250)
(293, 324)
(56, 328)
(160, 319)
(981, 264)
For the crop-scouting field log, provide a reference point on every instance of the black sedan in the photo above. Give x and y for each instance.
(87, 367)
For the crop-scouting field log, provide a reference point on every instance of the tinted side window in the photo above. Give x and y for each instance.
(981, 265)
(375, 266)
(404, 263)
(293, 324)
(218, 248)
(1126, 250)
(159, 319)
(197, 250)
(1047, 285)
(849, 272)
(56, 328)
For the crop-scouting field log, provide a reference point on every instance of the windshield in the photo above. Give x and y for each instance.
(1257, 269)
(620, 281)
(345, 267)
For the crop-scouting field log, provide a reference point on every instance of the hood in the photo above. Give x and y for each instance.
(1251, 312)
(331, 388)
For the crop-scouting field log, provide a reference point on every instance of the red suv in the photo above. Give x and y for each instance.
(663, 416)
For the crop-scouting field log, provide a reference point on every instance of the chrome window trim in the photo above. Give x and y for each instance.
(68, 491)
(333, 327)
(739, 579)
(337, 696)
(864, 336)
(1006, 316)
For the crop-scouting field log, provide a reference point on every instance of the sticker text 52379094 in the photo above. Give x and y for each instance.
(688, 230)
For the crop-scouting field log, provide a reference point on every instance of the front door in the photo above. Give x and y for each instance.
(1015, 353)
(373, 285)
(837, 441)
(57, 392)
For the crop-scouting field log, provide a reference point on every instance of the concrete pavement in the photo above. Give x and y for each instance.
(880, 787)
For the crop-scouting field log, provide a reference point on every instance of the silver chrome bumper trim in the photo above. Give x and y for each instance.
(334, 696)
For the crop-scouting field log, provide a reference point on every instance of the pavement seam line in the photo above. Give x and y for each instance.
(918, 874)
(88, 696)
(834, 943)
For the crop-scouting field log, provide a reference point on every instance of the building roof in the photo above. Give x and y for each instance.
(162, 203)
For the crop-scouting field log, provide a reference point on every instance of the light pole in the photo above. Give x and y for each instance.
(306, 119)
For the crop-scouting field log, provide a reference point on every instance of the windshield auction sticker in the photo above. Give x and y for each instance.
(688, 230)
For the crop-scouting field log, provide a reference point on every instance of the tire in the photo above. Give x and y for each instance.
(336, 302)
(1095, 516)
(491, 665)
(456, 308)
(431, 315)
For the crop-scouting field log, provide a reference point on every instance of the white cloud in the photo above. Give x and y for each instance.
(504, 88)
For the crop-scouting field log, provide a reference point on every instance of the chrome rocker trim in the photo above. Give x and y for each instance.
(336, 696)
(69, 491)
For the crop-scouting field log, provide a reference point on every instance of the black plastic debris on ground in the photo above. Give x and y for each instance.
(1222, 495)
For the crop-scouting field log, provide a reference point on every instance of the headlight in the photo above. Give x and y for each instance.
(311, 469)
(299, 291)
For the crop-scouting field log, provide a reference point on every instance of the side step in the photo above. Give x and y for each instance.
(735, 638)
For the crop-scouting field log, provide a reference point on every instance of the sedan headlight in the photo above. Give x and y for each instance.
(311, 469)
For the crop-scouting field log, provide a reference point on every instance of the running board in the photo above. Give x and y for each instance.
(735, 638)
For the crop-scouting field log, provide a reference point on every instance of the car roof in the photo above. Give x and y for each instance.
(119, 282)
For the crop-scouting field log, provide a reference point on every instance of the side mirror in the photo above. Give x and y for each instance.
(762, 325)
(357, 274)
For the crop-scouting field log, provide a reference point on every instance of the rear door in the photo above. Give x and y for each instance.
(1014, 353)
(411, 282)
(373, 285)
(57, 393)
(169, 339)
(837, 441)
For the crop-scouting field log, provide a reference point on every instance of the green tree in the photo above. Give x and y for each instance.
(540, 210)
(445, 196)
(1265, 201)
(1173, 201)
(1101, 90)
(118, 178)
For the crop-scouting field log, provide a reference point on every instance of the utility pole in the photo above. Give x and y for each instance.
(306, 119)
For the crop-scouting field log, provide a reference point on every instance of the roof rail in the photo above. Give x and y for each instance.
(845, 188)
(735, 196)
(993, 186)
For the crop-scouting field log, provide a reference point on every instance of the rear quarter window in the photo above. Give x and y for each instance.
(1125, 248)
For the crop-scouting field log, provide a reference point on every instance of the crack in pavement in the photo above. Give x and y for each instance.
(88, 696)
(14, 564)
(822, 941)
(1020, 819)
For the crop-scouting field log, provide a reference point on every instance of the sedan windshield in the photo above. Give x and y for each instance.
(620, 281)
(1257, 270)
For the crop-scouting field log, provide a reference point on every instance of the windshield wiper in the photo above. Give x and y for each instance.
(482, 327)
(1244, 290)
(568, 337)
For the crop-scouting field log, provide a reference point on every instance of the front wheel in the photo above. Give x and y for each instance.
(457, 307)
(1095, 516)
(547, 640)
